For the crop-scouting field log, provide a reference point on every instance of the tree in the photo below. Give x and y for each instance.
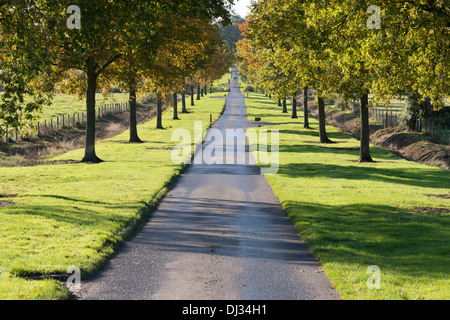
(91, 49)
(141, 42)
(257, 61)
(231, 33)
(409, 50)
(24, 74)
(186, 53)
(104, 38)
(305, 108)
(335, 50)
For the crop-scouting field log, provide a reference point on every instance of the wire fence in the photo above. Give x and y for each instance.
(387, 117)
(438, 128)
(53, 124)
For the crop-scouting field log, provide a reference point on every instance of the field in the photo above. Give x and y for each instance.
(63, 104)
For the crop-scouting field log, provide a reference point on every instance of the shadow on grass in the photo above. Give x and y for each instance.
(326, 149)
(309, 132)
(420, 177)
(364, 234)
(78, 216)
(65, 198)
(336, 137)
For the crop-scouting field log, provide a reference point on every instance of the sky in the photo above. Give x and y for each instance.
(241, 7)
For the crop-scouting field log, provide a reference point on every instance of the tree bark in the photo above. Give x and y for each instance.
(192, 95)
(175, 107)
(322, 122)
(279, 102)
(159, 114)
(294, 106)
(134, 138)
(285, 106)
(90, 155)
(206, 90)
(305, 108)
(183, 103)
(198, 91)
(365, 132)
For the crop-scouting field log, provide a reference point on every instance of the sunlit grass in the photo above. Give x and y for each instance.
(78, 214)
(354, 215)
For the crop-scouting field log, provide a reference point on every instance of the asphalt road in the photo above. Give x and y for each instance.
(220, 234)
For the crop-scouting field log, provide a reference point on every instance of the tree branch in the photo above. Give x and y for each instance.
(107, 64)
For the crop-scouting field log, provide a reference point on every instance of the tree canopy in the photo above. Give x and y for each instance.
(162, 41)
(349, 49)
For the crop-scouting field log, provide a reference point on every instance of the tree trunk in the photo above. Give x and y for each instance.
(89, 155)
(201, 90)
(198, 92)
(294, 106)
(365, 133)
(279, 102)
(206, 90)
(175, 107)
(285, 106)
(322, 122)
(183, 103)
(192, 95)
(159, 114)
(133, 122)
(305, 108)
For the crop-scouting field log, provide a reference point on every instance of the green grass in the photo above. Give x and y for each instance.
(354, 215)
(63, 104)
(222, 81)
(78, 214)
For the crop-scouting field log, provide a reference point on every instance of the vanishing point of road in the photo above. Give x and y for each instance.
(219, 234)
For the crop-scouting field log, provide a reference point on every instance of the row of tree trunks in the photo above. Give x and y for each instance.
(323, 136)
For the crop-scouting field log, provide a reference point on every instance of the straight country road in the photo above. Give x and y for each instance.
(220, 234)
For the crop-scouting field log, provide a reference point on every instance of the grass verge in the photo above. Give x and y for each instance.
(67, 213)
(386, 214)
